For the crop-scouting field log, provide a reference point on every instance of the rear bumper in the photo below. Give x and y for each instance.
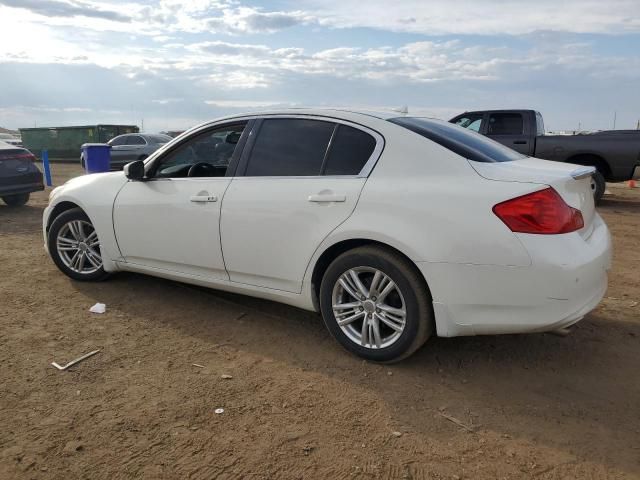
(20, 188)
(567, 279)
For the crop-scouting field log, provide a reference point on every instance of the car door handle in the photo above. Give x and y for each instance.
(324, 198)
(203, 198)
(520, 142)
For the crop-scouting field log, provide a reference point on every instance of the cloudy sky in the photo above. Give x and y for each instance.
(175, 63)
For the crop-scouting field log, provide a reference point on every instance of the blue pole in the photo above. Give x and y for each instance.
(47, 169)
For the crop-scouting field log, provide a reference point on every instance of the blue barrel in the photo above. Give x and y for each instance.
(97, 157)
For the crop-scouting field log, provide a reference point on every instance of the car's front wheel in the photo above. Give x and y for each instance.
(376, 304)
(74, 246)
(16, 200)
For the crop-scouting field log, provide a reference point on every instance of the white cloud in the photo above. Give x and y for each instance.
(464, 17)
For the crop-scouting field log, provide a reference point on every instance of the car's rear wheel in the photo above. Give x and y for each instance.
(16, 200)
(376, 304)
(598, 185)
(74, 246)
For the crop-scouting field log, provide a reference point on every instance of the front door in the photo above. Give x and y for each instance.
(171, 221)
(299, 179)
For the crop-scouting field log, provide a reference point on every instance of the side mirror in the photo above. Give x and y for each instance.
(134, 170)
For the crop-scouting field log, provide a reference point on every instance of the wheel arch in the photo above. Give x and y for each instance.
(331, 252)
(60, 207)
(591, 160)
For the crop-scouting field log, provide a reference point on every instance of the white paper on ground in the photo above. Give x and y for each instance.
(98, 308)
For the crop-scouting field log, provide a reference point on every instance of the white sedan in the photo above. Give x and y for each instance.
(395, 228)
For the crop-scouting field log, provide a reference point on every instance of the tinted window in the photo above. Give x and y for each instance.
(471, 121)
(468, 144)
(135, 140)
(159, 138)
(118, 140)
(349, 151)
(289, 147)
(212, 150)
(505, 124)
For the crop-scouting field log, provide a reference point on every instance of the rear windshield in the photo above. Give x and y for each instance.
(464, 142)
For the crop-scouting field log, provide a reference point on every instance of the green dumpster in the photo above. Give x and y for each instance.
(63, 143)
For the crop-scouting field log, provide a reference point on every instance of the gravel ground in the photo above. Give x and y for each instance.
(297, 406)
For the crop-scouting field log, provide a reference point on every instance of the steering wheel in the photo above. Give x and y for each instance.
(202, 169)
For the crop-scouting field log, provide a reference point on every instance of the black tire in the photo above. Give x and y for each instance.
(419, 322)
(58, 223)
(17, 200)
(598, 186)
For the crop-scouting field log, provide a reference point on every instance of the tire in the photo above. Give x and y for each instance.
(17, 200)
(598, 186)
(72, 233)
(409, 293)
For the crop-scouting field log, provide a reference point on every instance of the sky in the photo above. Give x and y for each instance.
(175, 63)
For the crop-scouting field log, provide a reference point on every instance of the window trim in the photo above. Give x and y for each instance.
(364, 172)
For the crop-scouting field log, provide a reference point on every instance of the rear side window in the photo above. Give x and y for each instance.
(289, 147)
(505, 124)
(350, 149)
(468, 144)
(135, 140)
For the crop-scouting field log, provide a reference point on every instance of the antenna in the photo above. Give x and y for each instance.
(615, 114)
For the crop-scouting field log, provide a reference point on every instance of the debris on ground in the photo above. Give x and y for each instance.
(73, 362)
(457, 422)
(226, 377)
(98, 308)
(218, 411)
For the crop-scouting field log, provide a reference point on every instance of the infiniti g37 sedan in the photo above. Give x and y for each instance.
(393, 228)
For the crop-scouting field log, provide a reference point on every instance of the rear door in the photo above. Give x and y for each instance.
(510, 129)
(300, 177)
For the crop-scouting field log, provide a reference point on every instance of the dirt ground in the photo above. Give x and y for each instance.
(297, 405)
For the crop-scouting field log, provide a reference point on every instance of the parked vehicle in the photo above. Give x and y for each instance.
(19, 176)
(395, 229)
(615, 154)
(133, 146)
(10, 139)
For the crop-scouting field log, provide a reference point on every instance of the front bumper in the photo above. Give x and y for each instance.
(567, 279)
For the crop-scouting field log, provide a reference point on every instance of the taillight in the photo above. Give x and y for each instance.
(19, 156)
(543, 212)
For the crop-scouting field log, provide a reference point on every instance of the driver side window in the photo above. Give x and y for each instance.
(206, 155)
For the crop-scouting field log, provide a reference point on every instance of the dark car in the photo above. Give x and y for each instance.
(19, 175)
(615, 154)
(132, 146)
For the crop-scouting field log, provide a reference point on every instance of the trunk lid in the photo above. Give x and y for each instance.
(16, 166)
(572, 182)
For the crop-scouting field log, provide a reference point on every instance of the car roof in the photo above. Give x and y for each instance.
(340, 113)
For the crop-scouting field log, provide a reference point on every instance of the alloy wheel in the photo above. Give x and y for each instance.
(78, 247)
(369, 307)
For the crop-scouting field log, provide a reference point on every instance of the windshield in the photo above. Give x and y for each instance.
(466, 143)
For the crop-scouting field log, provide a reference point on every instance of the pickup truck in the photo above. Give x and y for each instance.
(615, 154)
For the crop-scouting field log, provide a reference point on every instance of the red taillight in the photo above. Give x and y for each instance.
(18, 156)
(543, 212)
